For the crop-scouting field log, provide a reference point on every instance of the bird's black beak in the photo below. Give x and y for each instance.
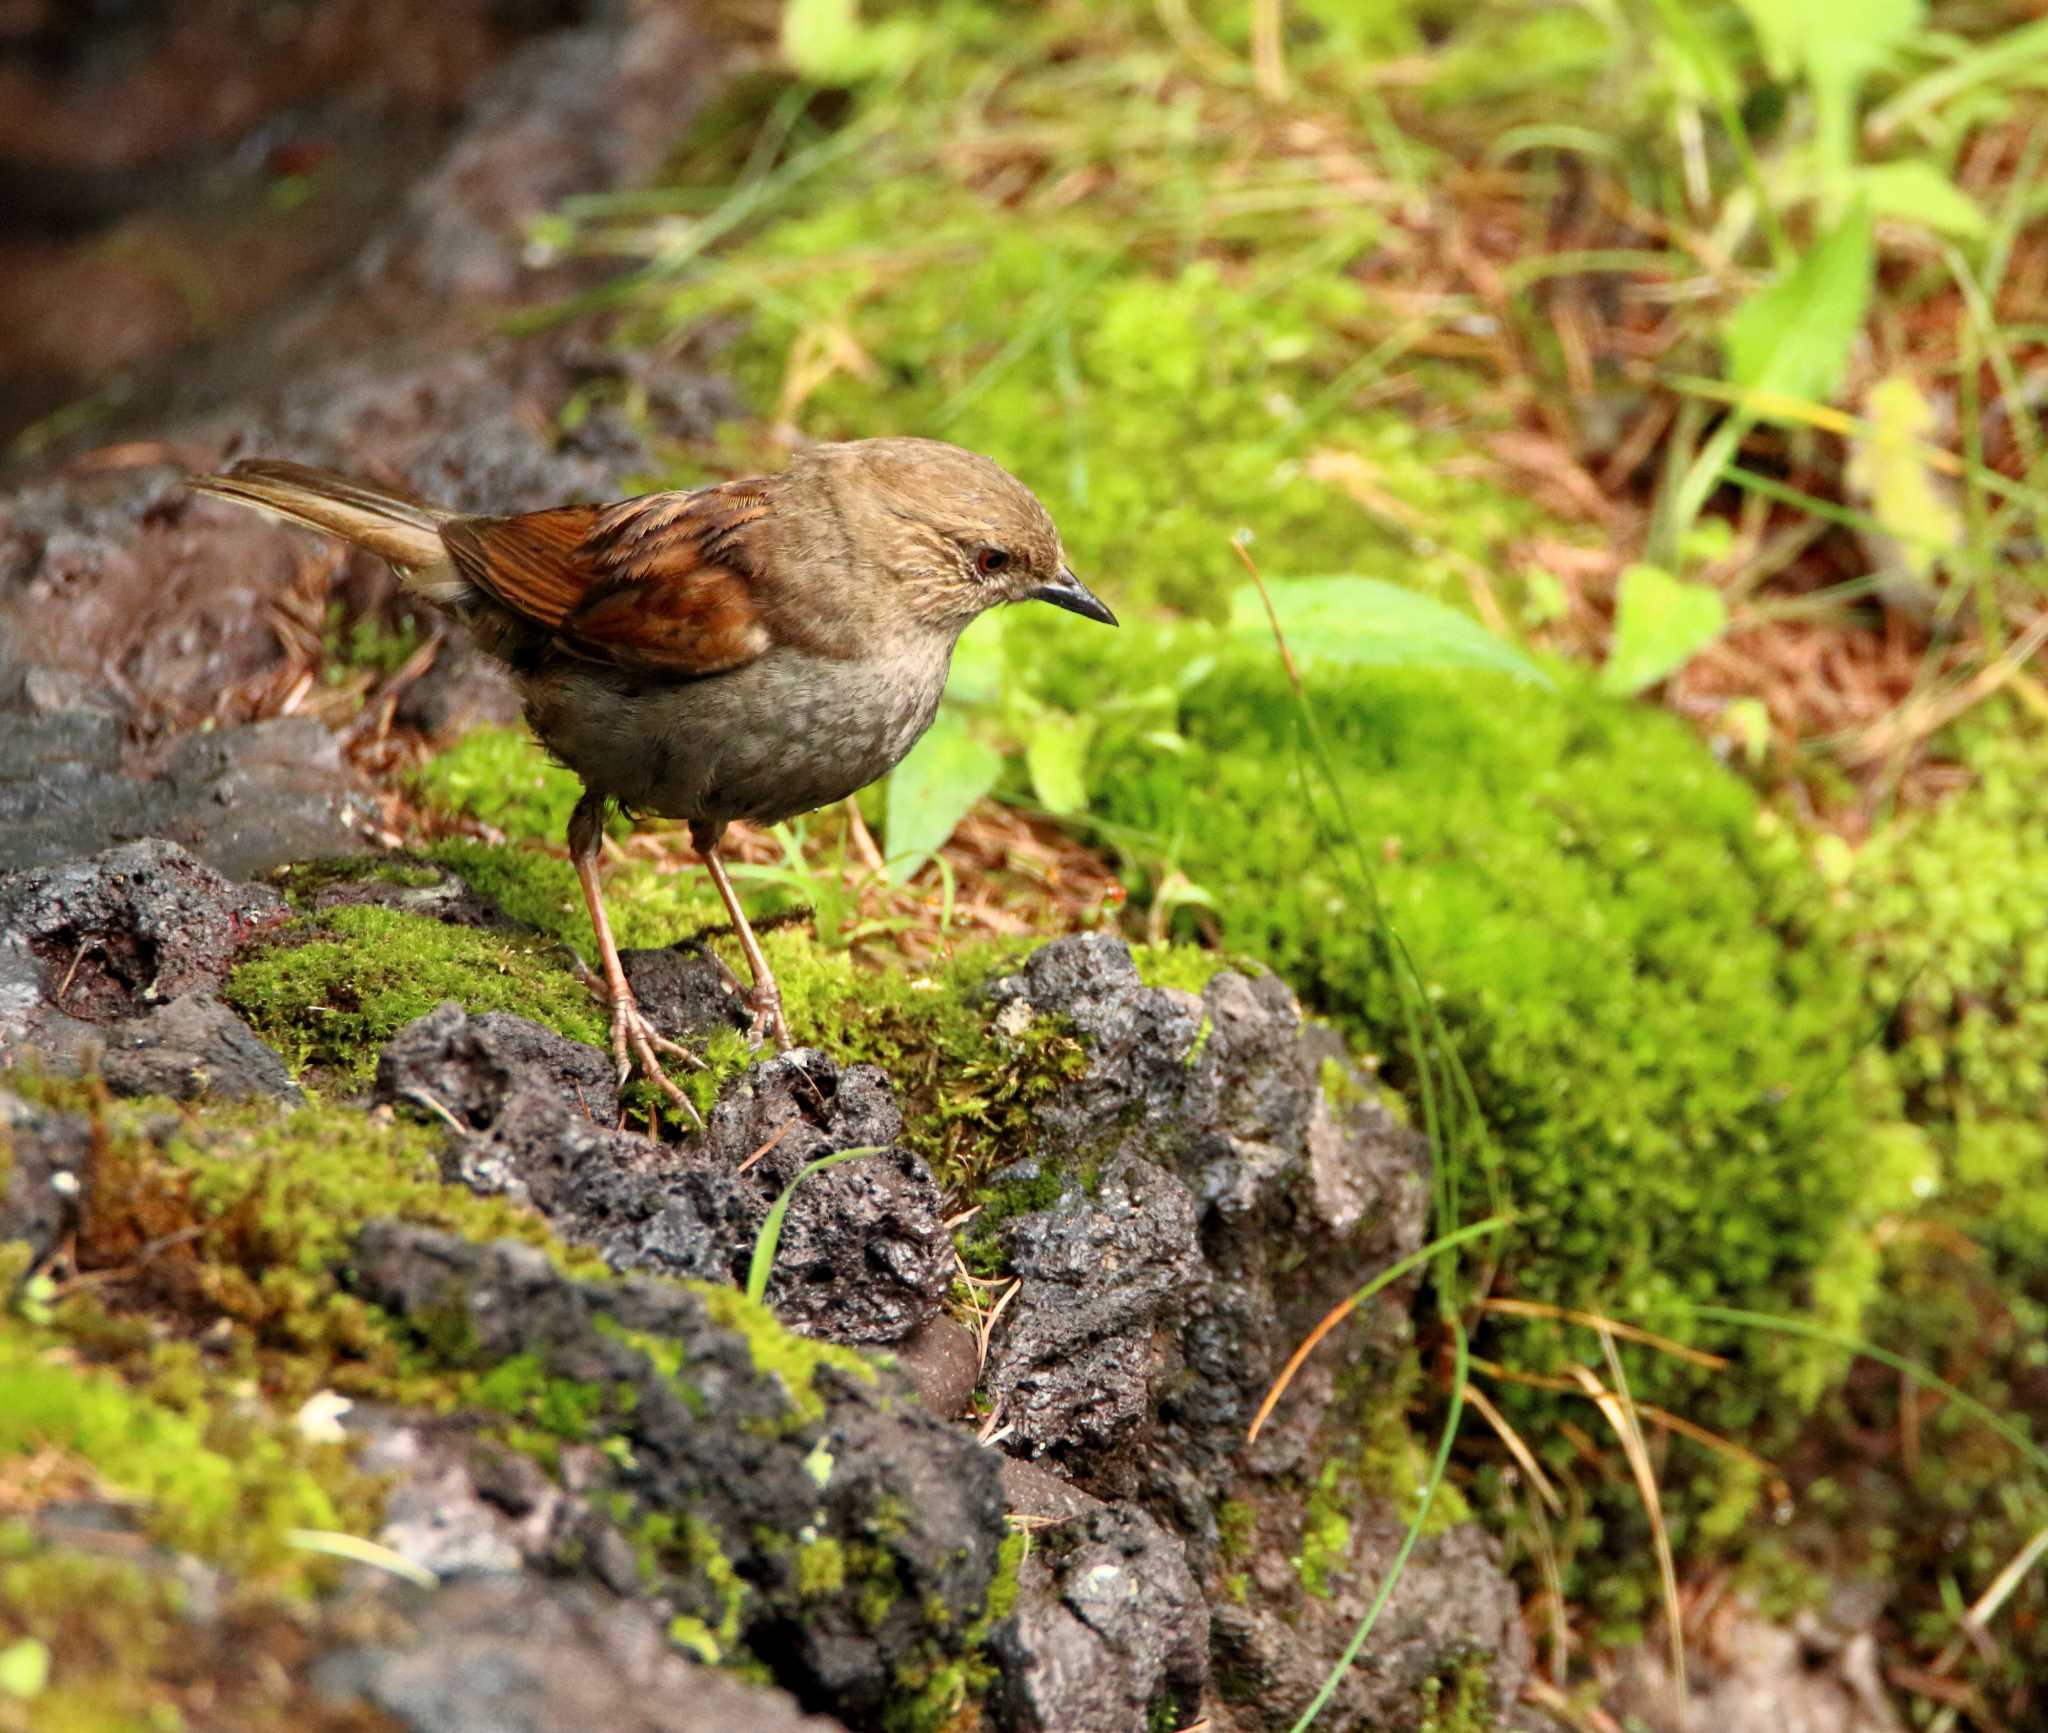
(1067, 591)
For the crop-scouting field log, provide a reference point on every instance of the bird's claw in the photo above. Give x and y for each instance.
(634, 1037)
(764, 1007)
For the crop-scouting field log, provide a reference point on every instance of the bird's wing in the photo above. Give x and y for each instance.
(665, 583)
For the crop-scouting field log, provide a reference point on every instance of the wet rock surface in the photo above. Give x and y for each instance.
(99, 944)
(190, 1047)
(1083, 1352)
(45, 1174)
(518, 1654)
(864, 1255)
(1210, 1141)
(244, 799)
(1110, 1627)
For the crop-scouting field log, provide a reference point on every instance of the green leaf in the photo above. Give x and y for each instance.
(1057, 758)
(931, 791)
(1792, 338)
(1660, 622)
(1352, 622)
(1832, 41)
(1915, 191)
(24, 1668)
(826, 42)
(980, 666)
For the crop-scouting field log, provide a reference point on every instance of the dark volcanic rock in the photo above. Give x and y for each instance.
(1452, 1600)
(1248, 1181)
(1226, 1093)
(190, 1047)
(683, 990)
(1082, 1353)
(537, 1114)
(98, 940)
(519, 1654)
(733, 1461)
(243, 799)
(941, 1359)
(1110, 1626)
(865, 1255)
(45, 1174)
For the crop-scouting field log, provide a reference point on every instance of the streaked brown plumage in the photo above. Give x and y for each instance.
(746, 651)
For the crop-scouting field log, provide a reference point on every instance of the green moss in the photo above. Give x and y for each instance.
(792, 1360)
(334, 987)
(1636, 966)
(504, 778)
(696, 1638)
(820, 1567)
(303, 881)
(1459, 1699)
(1325, 1540)
(1187, 968)
(1236, 1525)
(227, 1484)
(1947, 910)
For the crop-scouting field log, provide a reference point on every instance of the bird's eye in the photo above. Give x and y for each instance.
(991, 561)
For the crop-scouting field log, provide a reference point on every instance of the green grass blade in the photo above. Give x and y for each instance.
(1460, 1375)
(770, 1236)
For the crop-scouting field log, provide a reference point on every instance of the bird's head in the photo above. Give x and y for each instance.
(949, 532)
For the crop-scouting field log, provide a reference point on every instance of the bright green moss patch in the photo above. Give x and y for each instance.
(1948, 909)
(820, 1567)
(1634, 963)
(303, 882)
(504, 778)
(331, 990)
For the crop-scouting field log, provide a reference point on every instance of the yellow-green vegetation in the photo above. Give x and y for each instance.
(1460, 1698)
(1947, 908)
(333, 987)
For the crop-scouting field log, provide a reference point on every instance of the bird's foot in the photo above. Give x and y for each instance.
(762, 1003)
(635, 1038)
(764, 1007)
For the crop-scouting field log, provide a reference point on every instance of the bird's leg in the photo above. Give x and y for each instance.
(766, 999)
(632, 1035)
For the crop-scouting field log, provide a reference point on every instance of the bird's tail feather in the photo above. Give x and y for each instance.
(401, 530)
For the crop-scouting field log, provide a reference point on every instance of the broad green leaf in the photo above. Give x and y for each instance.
(1832, 41)
(1660, 622)
(826, 42)
(1792, 338)
(1362, 622)
(979, 664)
(1057, 758)
(1915, 191)
(1889, 466)
(931, 791)
(24, 1668)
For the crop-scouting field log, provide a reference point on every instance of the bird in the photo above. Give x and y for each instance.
(748, 650)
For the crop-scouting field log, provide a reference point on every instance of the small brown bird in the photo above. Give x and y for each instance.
(750, 650)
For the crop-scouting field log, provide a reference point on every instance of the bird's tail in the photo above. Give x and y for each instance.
(401, 530)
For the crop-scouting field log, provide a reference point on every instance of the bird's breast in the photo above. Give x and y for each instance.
(785, 734)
